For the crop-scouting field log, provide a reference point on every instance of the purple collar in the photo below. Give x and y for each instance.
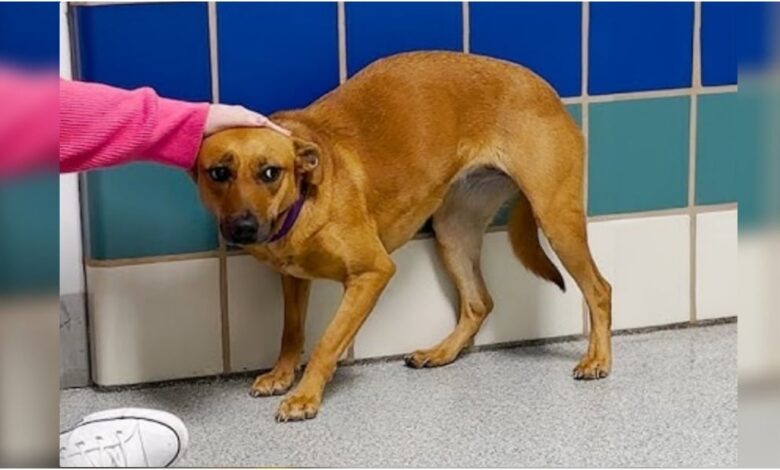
(292, 215)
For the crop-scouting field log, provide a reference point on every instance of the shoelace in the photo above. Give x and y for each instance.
(116, 459)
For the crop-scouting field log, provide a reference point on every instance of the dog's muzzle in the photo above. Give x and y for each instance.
(244, 229)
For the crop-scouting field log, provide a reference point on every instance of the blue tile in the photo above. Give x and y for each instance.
(545, 37)
(164, 46)
(29, 33)
(380, 29)
(277, 55)
(640, 46)
(718, 43)
(753, 24)
(29, 239)
(142, 209)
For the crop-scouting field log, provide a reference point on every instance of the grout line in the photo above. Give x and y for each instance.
(110, 263)
(651, 94)
(639, 215)
(213, 51)
(692, 144)
(726, 206)
(121, 2)
(224, 312)
(637, 95)
(712, 90)
(466, 27)
(528, 343)
(341, 14)
(585, 117)
(541, 342)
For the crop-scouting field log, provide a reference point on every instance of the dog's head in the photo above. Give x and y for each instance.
(250, 177)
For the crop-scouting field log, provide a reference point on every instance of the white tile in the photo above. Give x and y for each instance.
(647, 261)
(716, 264)
(256, 313)
(526, 307)
(759, 269)
(155, 321)
(417, 309)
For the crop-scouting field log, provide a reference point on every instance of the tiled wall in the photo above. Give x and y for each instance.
(28, 207)
(652, 85)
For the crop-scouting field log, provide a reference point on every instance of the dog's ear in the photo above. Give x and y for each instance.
(307, 160)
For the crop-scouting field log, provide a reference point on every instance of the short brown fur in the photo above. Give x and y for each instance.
(428, 134)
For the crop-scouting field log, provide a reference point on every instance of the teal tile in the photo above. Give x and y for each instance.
(731, 151)
(718, 146)
(146, 210)
(29, 238)
(638, 155)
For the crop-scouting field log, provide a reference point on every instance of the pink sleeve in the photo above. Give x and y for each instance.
(28, 121)
(102, 126)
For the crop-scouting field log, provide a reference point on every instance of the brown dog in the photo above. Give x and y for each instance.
(429, 134)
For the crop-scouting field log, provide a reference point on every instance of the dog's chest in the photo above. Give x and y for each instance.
(303, 264)
(302, 267)
(289, 265)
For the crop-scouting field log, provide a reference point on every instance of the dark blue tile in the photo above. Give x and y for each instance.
(29, 33)
(640, 46)
(143, 209)
(277, 55)
(380, 29)
(753, 24)
(718, 43)
(545, 37)
(164, 46)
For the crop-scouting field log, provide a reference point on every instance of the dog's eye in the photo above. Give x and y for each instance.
(270, 174)
(219, 174)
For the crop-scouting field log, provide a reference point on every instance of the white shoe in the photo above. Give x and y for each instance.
(126, 437)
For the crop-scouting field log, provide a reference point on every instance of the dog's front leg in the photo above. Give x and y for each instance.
(360, 295)
(282, 376)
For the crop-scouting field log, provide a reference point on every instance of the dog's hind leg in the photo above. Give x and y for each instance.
(459, 225)
(550, 173)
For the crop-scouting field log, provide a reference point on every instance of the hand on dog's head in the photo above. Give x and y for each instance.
(249, 177)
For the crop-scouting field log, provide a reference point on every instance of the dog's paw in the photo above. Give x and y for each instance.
(297, 407)
(591, 368)
(429, 358)
(275, 382)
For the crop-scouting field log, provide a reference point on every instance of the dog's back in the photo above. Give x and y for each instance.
(417, 122)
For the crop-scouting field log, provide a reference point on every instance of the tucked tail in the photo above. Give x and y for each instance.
(524, 237)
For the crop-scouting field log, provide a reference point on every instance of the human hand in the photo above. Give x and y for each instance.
(222, 116)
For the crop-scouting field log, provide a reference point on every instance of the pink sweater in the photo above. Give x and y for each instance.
(99, 126)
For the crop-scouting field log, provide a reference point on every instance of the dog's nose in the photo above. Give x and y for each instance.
(241, 229)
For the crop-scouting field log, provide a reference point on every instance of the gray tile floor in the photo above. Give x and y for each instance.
(671, 401)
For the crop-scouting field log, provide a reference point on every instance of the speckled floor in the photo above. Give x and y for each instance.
(670, 401)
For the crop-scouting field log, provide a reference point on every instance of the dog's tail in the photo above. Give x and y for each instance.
(524, 237)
